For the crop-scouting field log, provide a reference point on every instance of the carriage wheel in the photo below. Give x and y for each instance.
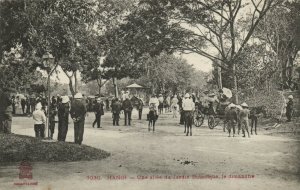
(217, 121)
(198, 119)
(211, 122)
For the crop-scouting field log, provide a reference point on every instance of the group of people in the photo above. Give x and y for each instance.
(238, 115)
(63, 107)
(26, 103)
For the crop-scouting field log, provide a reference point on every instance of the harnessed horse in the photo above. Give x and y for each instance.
(254, 113)
(188, 122)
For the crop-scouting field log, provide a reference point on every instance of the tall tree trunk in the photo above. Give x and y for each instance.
(99, 82)
(115, 87)
(71, 87)
(70, 83)
(75, 82)
(219, 77)
(235, 85)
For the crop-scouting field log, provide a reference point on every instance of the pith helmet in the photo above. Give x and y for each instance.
(78, 96)
(244, 105)
(65, 99)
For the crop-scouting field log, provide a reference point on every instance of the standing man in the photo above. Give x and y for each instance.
(161, 103)
(244, 115)
(27, 105)
(23, 104)
(188, 106)
(63, 118)
(6, 110)
(13, 102)
(99, 111)
(289, 108)
(116, 109)
(78, 112)
(107, 104)
(53, 113)
(140, 108)
(32, 103)
(127, 107)
(180, 100)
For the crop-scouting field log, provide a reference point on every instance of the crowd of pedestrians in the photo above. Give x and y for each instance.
(64, 107)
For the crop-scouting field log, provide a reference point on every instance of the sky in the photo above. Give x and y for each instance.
(198, 62)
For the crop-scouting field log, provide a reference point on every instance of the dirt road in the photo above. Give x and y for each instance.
(165, 159)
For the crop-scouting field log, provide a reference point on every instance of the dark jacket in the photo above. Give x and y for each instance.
(140, 105)
(23, 102)
(53, 112)
(127, 106)
(98, 108)
(78, 110)
(289, 106)
(231, 115)
(63, 111)
(116, 107)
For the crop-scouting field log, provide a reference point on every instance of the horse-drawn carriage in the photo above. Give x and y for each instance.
(214, 114)
(212, 108)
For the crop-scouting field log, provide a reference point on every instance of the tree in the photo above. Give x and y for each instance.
(208, 28)
(63, 28)
(111, 14)
(17, 72)
(280, 32)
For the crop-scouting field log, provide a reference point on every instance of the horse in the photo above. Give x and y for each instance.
(188, 122)
(152, 116)
(254, 114)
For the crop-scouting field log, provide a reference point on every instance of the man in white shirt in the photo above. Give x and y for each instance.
(188, 106)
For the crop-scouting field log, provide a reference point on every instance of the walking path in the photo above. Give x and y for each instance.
(173, 160)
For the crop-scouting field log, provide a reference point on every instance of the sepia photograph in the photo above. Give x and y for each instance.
(149, 94)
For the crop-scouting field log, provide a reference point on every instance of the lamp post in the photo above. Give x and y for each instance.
(48, 61)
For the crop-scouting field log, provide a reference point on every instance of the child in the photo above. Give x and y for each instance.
(39, 118)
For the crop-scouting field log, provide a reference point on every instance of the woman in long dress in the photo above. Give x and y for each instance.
(174, 106)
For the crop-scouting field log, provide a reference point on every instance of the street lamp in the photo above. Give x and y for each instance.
(48, 62)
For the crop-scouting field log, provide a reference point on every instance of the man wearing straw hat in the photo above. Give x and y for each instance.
(244, 115)
(99, 111)
(78, 112)
(63, 118)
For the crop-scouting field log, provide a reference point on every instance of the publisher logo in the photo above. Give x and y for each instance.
(25, 170)
(25, 175)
